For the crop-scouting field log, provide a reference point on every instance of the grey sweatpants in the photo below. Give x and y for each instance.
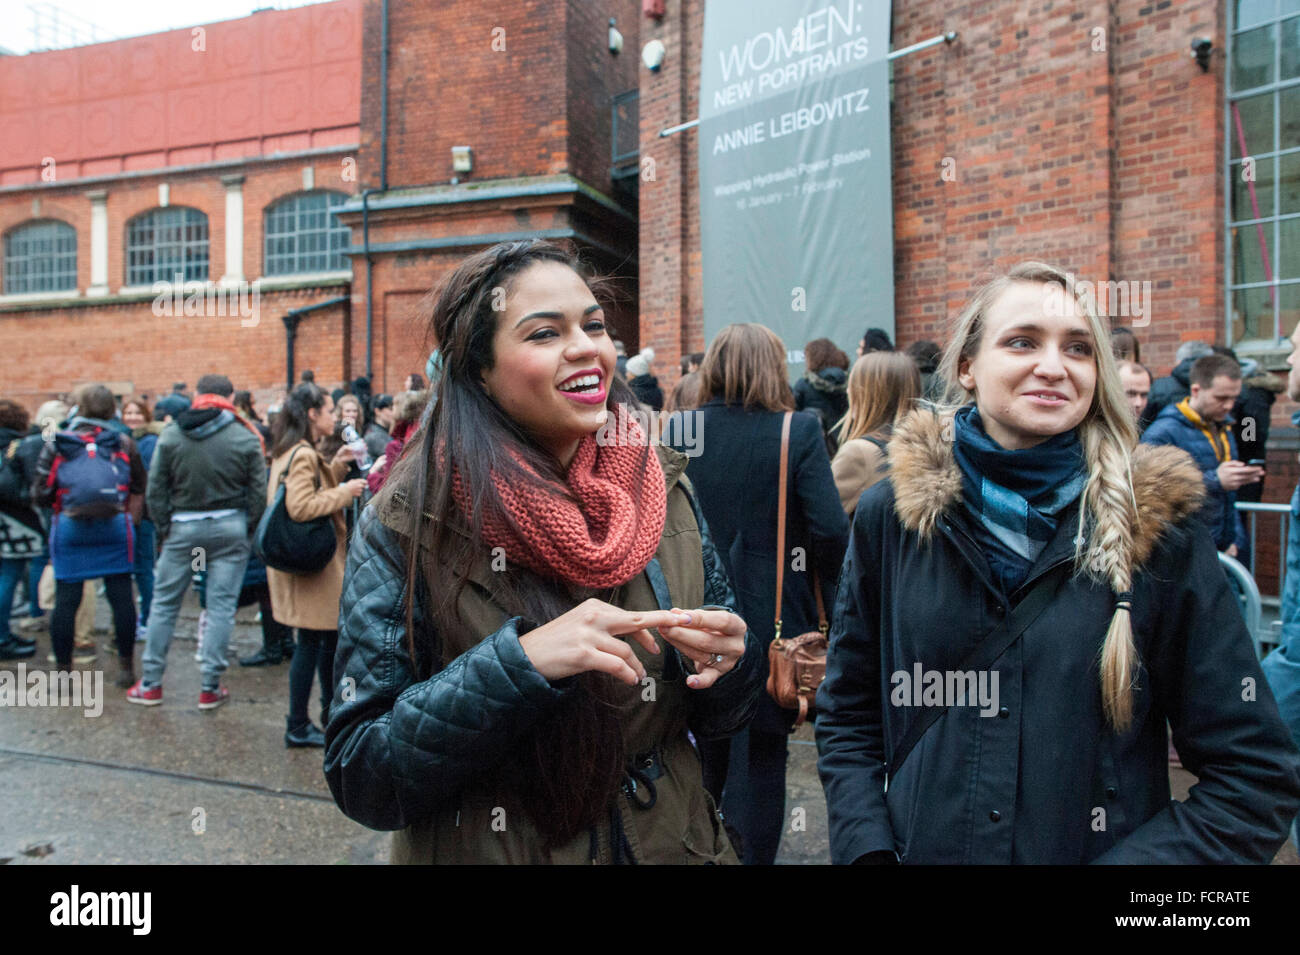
(221, 546)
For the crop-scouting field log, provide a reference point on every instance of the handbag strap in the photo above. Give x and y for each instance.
(289, 464)
(983, 655)
(782, 488)
(884, 448)
(780, 519)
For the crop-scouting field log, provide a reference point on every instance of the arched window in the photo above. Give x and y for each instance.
(162, 244)
(303, 235)
(41, 257)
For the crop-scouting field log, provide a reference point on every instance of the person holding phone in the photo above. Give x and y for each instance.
(1201, 425)
(527, 630)
(310, 602)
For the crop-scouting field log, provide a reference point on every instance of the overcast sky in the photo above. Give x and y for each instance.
(121, 18)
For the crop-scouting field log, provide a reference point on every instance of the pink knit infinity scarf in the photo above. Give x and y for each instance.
(603, 539)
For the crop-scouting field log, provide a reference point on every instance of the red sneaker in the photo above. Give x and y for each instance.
(149, 697)
(211, 699)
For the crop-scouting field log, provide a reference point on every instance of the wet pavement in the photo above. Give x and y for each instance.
(173, 784)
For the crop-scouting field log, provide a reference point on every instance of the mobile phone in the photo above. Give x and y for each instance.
(1255, 463)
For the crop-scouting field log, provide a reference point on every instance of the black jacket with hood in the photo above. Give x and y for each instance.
(826, 393)
(647, 391)
(1168, 391)
(24, 535)
(1041, 778)
(206, 460)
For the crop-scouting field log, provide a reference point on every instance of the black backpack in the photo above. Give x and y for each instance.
(295, 547)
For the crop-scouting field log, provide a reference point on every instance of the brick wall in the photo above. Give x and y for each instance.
(1168, 199)
(49, 349)
(127, 342)
(594, 77)
(1081, 134)
(277, 80)
(671, 287)
(528, 85)
(448, 86)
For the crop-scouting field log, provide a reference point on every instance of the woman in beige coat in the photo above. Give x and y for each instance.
(310, 602)
(883, 386)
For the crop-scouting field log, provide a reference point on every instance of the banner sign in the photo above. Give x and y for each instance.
(796, 202)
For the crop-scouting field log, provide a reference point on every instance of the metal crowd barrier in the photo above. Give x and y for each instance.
(1267, 637)
(1248, 592)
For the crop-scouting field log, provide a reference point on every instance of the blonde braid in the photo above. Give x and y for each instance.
(1109, 559)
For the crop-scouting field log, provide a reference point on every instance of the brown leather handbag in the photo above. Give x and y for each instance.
(796, 665)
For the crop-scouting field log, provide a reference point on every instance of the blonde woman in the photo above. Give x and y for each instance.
(882, 387)
(1026, 600)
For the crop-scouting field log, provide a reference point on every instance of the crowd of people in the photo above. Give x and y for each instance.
(534, 644)
(98, 495)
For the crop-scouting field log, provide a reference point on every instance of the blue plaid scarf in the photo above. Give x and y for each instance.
(1018, 496)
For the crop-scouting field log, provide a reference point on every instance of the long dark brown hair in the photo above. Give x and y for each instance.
(569, 765)
(292, 425)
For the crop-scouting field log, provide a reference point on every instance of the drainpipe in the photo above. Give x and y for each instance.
(291, 320)
(383, 101)
(383, 187)
(370, 271)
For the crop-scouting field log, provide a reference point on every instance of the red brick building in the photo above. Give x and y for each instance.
(529, 88)
(125, 161)
(229, 119)
(1085, 134)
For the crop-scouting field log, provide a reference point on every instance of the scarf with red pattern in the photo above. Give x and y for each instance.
(216, 401)
(604, 531)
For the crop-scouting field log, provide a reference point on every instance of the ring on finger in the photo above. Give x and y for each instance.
(714, 660)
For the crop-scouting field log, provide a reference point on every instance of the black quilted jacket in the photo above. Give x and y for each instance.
(398, 749)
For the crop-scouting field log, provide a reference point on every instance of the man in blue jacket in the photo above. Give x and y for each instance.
(1201, 425)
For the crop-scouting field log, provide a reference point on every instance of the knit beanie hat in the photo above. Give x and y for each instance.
(172, 404)
(639, 364)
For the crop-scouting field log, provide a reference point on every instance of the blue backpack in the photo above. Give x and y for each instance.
(91, 472)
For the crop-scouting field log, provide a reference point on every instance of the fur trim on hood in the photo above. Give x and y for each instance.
(1266, 380)
(831, 381)
(149, 427)
(927, 481)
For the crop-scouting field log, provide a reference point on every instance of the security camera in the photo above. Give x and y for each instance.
(652, 55)
(615, 38)
(1202, 47)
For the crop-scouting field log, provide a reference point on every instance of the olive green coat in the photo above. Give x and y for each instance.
(450, 809)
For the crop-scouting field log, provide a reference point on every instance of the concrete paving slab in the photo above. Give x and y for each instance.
(124, 786)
